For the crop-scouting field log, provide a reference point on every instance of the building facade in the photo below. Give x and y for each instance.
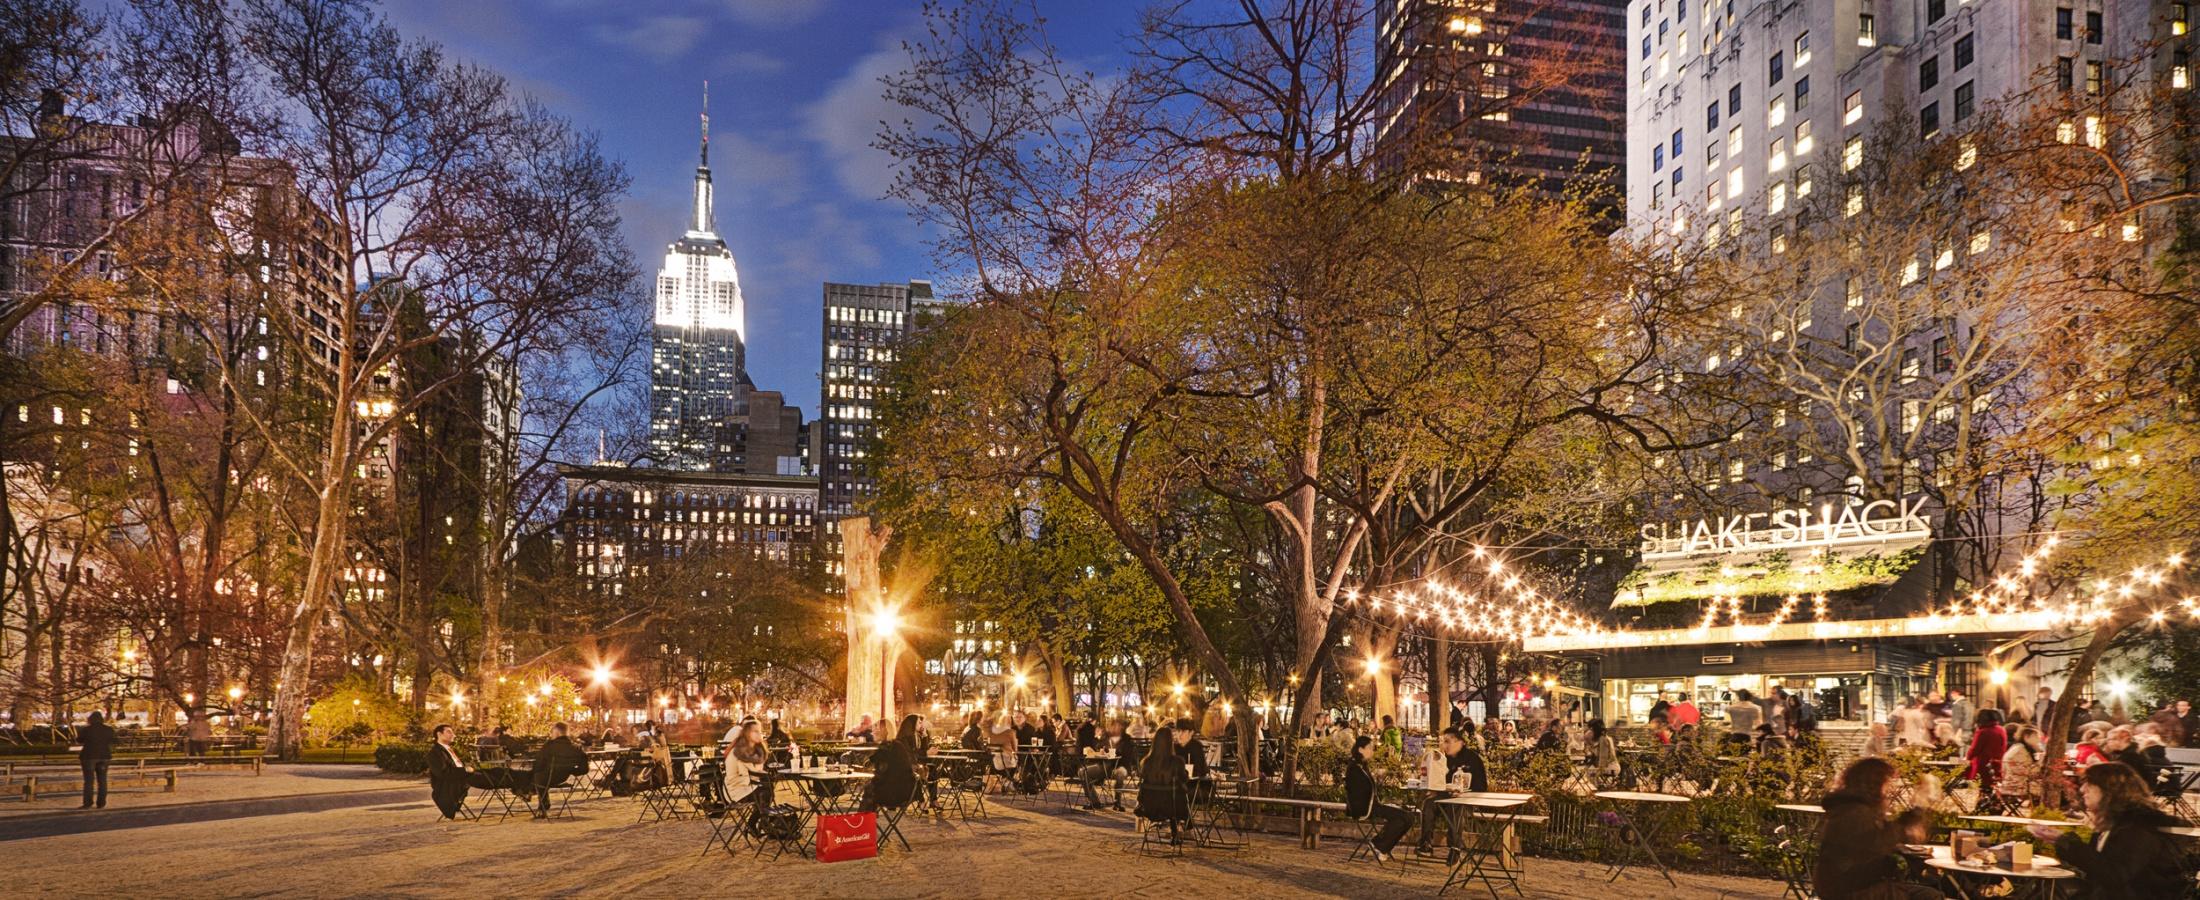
(697, 367)
(864, 325)
(1507, 91)
(620, 523)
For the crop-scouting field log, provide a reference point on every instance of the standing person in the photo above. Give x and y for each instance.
(1742, 718)
(447, 773)
(96, 749)
(1393, 736)
(1662, 711)
(1913, 726)
(1458, 711)
(1878, 744)
(1859, 852)
(1603, 750)
(2190, 719)
(198, 734)
(2130, 856)
(2044, 707)
(1360, 788)
(1960, 713)
(1684, 712)
(1989, 744)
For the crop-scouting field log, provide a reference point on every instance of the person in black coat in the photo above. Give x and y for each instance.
(893, 770)
(1359, 799)
(2130, 857)
(1165, 791)
(558, 760)
(1459, 758)
(97, 742)
(447, 781)
(1859, 854)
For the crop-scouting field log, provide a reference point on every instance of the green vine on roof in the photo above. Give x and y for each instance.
(1773, 574)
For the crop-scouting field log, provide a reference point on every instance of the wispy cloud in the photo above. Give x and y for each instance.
(662, 38)
(846, 120)
(775, 13)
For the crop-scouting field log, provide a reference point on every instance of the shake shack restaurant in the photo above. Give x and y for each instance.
(1833, 604)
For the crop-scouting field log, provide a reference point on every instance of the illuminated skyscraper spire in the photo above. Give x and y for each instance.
(703, 223)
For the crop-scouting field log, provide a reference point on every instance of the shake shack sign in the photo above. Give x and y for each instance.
(1879, 523)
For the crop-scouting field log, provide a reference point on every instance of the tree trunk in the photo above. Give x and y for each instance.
(2079, 675)
(286, 733)
(1439, 683)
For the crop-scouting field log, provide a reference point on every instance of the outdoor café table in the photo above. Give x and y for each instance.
(1652, 810)
(2020, 820)
(816, 801)
(2183, 831)
(1485, 815)
(1207, 812)
(2043, 878)
(1802, 808)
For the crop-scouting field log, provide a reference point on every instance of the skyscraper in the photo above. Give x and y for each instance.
(1506, 91)
(863, 325)
(697, 369)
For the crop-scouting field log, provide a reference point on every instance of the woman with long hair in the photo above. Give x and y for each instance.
(1360, 789)
(1859, 854)
(1989, 743)
(1165, 791)
(2130, 857)
(744, 764)
(2020, 764)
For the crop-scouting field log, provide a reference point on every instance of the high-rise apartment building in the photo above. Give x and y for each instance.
(619, 522)
(1732, 103)
(1514, 92)
(864, 324)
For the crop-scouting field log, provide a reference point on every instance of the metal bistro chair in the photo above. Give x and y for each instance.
(1796, 857)
(728, 816)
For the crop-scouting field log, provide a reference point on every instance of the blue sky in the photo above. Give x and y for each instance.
(795, 102)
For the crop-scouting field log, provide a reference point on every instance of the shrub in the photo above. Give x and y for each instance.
(401, 759)
(354, 713)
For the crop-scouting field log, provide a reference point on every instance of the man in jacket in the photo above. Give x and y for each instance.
(97, 740)
(2044, 708)
(446, 774)
(558, 760)
(1460, 760)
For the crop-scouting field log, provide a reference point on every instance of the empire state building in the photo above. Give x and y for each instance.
(698, 378)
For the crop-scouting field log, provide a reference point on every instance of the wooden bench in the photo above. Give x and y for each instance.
(1310, 814)
(52, 783)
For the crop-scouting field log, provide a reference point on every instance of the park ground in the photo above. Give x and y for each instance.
(328, 831)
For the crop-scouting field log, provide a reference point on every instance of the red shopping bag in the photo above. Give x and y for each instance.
(852, 836)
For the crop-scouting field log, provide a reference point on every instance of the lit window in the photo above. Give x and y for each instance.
(1776, 158)
(1778, 199)
(1778, 113)
(1852, 153)
(2095, 135)
(1946, 258)
(1854, 203)
(1969, 156)
(1802, 50)
(2065, 132)
(1802, 138)
(1803, 177)
(1867, 35)
(1909, 272)
(1981, 240)
(1852, 108)
(1734, 141)
(1734, 183)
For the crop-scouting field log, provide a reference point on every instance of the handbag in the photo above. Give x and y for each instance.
(845, 837)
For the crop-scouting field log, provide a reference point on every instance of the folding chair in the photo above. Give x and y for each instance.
(1364, 831)
(2175, 793)
(1797, 861)
(889, 825)
(728, 819)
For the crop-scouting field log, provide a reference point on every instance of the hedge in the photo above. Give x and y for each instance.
(401, 759)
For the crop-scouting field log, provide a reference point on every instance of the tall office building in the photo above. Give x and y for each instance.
(697, 369)
(863, 325)
(1513, 92)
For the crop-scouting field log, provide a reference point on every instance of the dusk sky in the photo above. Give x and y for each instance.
(794, 103)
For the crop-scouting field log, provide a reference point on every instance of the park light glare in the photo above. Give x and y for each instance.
(1999, 677)
(601, 675)
(885, 621)
(458, 697)
(2119, 686)
(235, 692)
(1374, 667)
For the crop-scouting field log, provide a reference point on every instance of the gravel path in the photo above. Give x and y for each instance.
(397, 847)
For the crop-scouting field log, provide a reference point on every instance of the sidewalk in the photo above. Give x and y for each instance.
(211, 783)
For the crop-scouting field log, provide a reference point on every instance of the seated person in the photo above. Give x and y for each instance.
(447, 773)
(1165, 791)
(1459, 759)
(893, 767)
(2130, 856)
(558, 760)
(1360, 788)
(1859, 851)
(1106, 755)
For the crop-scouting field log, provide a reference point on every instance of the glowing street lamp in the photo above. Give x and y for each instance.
(600, 676)
(235, 693)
